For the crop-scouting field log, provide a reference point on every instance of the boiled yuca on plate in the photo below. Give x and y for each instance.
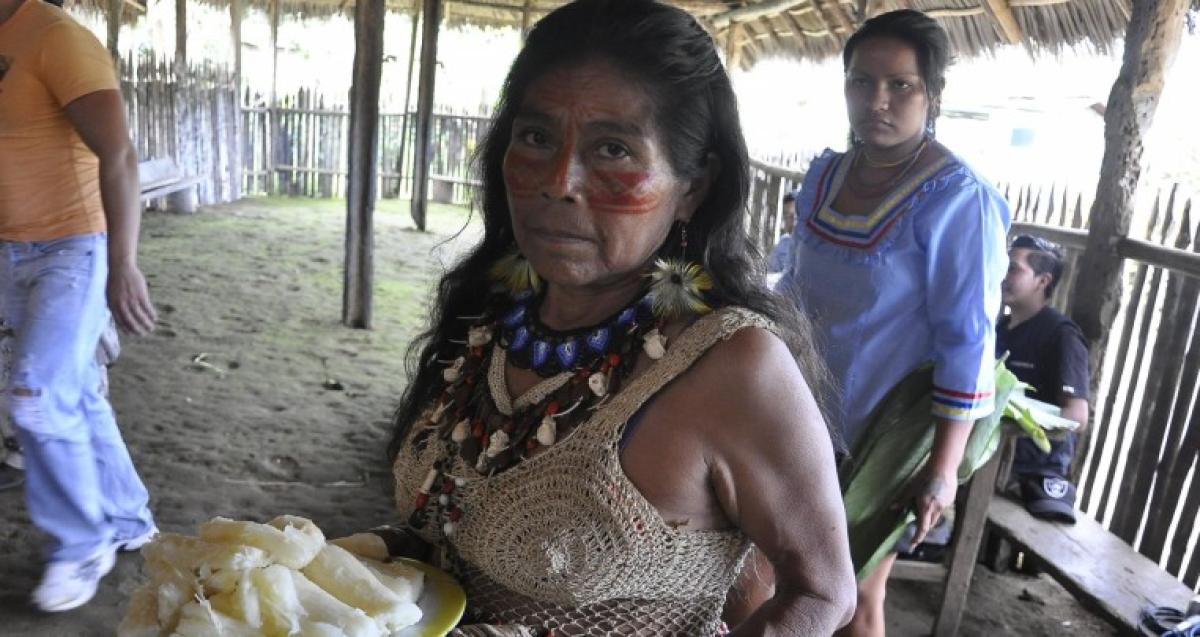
(281, 578)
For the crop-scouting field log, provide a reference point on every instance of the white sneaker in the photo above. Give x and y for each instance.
(12, 454)
(68, 585)
(137, 542)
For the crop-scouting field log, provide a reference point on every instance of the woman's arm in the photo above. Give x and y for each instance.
(772, 470)
(965, 244)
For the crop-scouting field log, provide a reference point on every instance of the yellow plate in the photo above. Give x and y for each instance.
(442, 602)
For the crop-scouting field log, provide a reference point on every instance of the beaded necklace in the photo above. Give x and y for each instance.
(584, 368)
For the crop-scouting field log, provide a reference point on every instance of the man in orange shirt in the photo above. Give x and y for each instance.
(69, 219)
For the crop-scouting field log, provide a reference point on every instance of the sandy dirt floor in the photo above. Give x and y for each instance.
(254, 291)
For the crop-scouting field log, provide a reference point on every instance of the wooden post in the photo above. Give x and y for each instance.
(236, 131)
(432, 12)
(115, 7)
(412, 56)
(180, 36)
(968, 535)
(364, 142)
(525, 11)
(1150, 44)
(274, 51)
(273, 126)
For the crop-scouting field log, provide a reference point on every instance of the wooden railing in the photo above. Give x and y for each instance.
(768, 185)
(1135, 468)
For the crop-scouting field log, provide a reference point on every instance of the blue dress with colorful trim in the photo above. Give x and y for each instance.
(916, 281)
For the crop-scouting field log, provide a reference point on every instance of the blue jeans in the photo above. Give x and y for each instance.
(81, 487)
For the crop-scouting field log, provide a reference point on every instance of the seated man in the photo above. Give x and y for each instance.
(781, 254)
(1046, 350)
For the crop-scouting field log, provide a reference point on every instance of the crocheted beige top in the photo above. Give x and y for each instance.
(564, 540)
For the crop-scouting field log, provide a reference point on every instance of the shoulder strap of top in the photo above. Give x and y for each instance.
(687, 347)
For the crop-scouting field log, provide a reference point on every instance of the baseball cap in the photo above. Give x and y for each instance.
(1049, 498)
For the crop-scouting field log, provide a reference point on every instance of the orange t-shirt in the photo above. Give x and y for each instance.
(49, 179)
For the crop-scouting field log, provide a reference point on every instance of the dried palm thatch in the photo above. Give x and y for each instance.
(804, 29)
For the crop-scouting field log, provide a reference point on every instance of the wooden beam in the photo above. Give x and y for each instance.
(840, 17)
(955, 12)
(181, 36)
(733, 52)
(1003, 14)
(914, 571)
(484, 4)
(1150, 44)
(432, 10)
(364, 142)
(833, 20)
(800, 30)
(1035, 3)
(115, 7)
(768, 33)
(752, 12)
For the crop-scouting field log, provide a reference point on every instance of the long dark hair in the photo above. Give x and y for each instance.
(671, 56)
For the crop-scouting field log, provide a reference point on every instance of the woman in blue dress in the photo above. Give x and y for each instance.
(897, 258)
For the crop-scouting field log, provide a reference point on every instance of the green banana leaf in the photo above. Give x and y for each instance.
(898, 441)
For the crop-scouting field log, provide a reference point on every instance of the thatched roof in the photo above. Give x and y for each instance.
(807, 29)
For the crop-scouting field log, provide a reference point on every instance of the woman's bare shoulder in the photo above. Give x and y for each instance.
(750, 385)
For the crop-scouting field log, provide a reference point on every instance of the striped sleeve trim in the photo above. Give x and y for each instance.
(958, 405)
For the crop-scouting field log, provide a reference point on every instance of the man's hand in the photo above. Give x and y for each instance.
(129, 299)
(99, 118)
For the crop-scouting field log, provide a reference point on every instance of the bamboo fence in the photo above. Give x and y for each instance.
(187, 116)
(298, 148)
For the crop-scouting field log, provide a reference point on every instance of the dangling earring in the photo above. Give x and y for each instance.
(678, 286)
(514, 272)
(930, 128)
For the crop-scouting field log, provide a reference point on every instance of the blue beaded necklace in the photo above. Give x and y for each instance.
(533, 346)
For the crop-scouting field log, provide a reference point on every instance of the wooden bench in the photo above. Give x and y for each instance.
(1097, 567)
(442, 187)
(160, 178)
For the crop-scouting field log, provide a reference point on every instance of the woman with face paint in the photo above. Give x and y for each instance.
(608, 407)
(898, 256)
